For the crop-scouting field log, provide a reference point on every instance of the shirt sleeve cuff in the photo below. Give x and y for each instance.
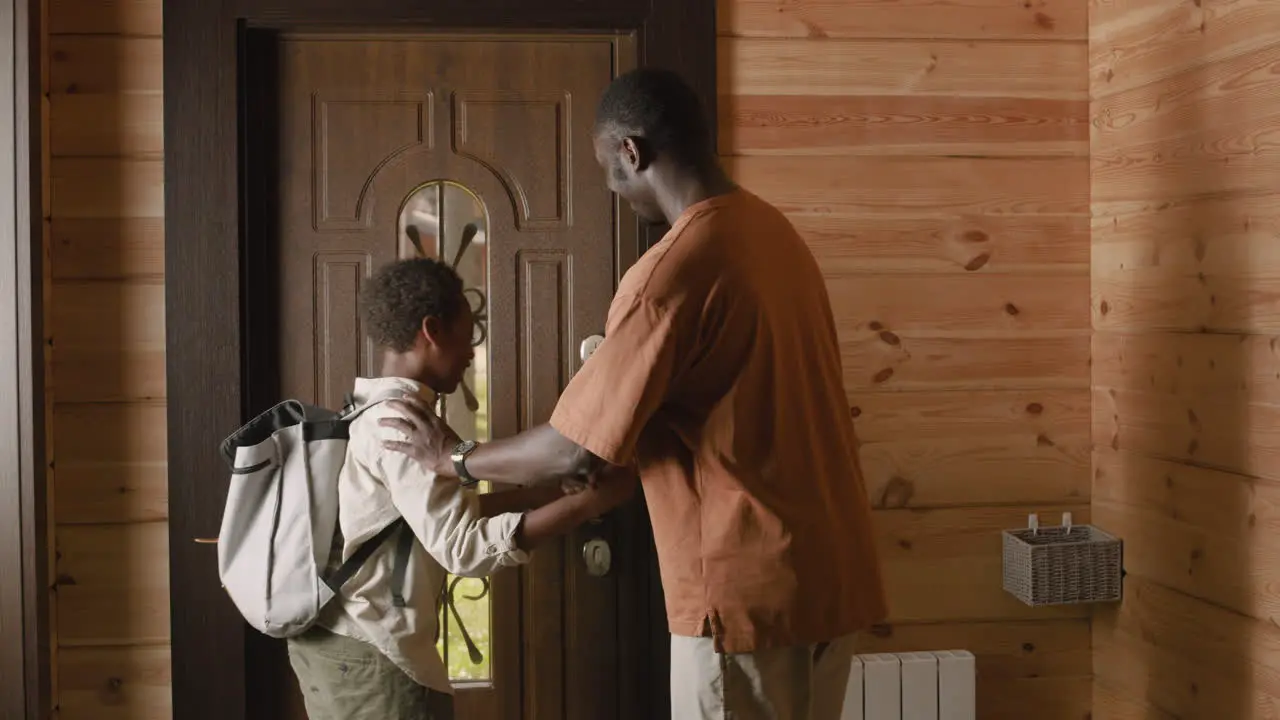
(505, 546)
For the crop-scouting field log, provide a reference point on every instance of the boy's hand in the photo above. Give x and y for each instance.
(606, 490)
(609, 488)
(573, 486)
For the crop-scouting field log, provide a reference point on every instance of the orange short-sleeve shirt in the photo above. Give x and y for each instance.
(720, 375)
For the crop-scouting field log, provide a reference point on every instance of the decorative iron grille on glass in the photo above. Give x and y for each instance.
(445, 220)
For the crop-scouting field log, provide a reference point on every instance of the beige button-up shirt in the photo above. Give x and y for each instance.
(377, 486)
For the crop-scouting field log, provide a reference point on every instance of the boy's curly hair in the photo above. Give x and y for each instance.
(400, 294)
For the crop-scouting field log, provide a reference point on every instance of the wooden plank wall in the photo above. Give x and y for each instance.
(935, 155)
(1186, 353)
(107, 379)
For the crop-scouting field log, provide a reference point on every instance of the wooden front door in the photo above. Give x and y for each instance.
(474, 149)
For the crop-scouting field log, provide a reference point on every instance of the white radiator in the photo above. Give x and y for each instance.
(936, 685)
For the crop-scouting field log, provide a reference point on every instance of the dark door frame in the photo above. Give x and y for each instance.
(210, 203)
(24, 552)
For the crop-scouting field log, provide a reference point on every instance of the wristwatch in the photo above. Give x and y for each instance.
(459, 457)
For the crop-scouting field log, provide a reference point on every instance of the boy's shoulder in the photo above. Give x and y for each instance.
(366, 426)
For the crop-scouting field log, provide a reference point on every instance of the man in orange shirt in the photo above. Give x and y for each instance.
(720, 379)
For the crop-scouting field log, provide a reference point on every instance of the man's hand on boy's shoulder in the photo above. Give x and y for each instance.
(430, 440)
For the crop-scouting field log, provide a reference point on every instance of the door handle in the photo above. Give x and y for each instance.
(589, 347)
(598, 557)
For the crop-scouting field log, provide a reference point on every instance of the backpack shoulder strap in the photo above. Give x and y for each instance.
(352, 411)
(338, 427)
(404, 546)
(357, 559)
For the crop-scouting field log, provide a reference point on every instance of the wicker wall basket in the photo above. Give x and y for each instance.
(1064, 565)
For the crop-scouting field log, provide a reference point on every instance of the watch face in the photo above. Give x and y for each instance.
(463, 448)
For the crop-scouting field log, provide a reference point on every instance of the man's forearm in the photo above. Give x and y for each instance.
(539, 456)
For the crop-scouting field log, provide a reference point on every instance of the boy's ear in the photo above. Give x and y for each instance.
(433, 330)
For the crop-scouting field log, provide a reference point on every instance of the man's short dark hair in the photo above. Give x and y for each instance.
(661, 107)
(402, 293)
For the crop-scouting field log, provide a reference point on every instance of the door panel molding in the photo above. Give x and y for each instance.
(212, 261)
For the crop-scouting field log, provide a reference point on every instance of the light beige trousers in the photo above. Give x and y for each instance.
(805, 682)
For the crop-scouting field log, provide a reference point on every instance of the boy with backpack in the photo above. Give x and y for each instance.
(370, 652)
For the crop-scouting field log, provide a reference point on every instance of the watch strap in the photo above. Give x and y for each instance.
(460, 454)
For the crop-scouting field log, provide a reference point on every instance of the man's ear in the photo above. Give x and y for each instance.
(433, 330)
(637, 153)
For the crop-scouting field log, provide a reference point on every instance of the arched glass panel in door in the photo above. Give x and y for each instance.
(445, 220)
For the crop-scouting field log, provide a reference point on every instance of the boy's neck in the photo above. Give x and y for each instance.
(406, 366)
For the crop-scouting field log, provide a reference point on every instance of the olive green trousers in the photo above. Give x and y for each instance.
(346, 679)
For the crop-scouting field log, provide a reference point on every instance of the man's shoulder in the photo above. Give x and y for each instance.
(675, 268)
